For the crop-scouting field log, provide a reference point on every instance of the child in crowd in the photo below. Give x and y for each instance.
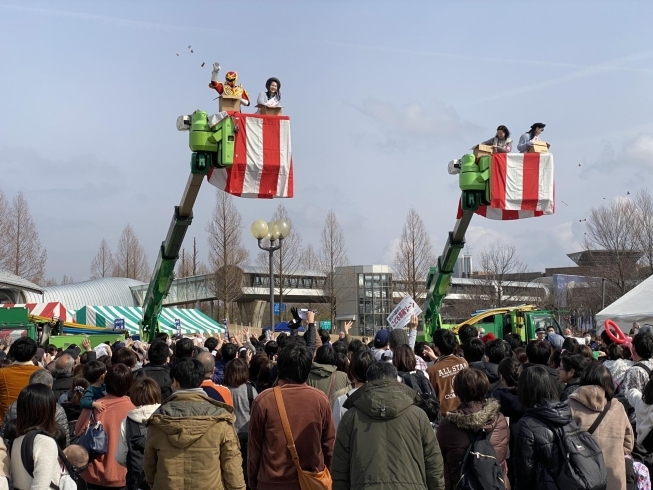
(78, 458)
(94, 372)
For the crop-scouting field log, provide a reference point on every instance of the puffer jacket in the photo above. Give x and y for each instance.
(320, 378)
(510, 406)
(383, 415)
(192, 439)
(572, 385)
(491, 370)
(614, 435)
(453, 436)
(537, 457)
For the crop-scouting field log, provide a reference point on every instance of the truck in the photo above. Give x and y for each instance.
(522, 320)
(474, 179)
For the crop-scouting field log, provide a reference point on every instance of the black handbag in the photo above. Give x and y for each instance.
(94, 439)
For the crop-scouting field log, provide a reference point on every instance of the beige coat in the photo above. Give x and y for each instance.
(614, 435)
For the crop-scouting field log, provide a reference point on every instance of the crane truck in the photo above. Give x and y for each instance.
(474, 178)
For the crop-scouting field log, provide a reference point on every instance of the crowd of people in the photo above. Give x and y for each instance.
(300, 411)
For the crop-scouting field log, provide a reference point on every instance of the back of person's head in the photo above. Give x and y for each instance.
(236, 373)
(471, 385)
(538, 352)
(509, 369)
(342, 362)
(467, 332)
(78, 388)
(208, 361)
(294, 363)
(445, 341)
(586, 351)
(554, 359)
(118, 380)
(514, 340)
(573, 362)
(93, 371)
(324, 336)
(23, 349)
(618, 351)
(36, 408)
(381, 370)
(184, 348)
(188, 373)
(325, 355)
(497, 350)
(535, 386)
(229, 351)
(64, 365)
(211, 343)
(124, 356)
(158, 353)
(473, 349)
(520, 355)
(643, 345)
(271, 349)
(398, 337)
(162, 336)
(354, 345)
(145, 391)
(255, 366)
(340, 347)
(596, 374)
(360, 363)
(404, 358)
(571, 345)
(43, 377)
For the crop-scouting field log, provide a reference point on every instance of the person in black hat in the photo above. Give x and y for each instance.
(540, 332)
(526, 140)
(272, 95)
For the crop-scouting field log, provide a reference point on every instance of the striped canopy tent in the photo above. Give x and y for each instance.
(44, 310)
(192, 321)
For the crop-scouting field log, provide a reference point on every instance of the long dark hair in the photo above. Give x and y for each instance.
(535, 386)
(267, 87)
(505, 130)
(534, 127)
(36, 408)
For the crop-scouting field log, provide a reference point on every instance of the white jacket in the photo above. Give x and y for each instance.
(138, 415)
(643, 414)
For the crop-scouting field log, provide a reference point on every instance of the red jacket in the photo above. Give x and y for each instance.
(269, 465)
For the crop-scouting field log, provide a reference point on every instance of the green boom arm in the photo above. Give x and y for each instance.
(473, 179)
(212, 147)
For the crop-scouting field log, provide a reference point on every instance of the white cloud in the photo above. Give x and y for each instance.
(635, 154)
(390, 251)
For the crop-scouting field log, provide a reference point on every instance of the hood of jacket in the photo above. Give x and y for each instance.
(142, 413)
(592, 397)
(187, 416)
(476, 416)
(322, 370)
(551, 412)
(384, 399)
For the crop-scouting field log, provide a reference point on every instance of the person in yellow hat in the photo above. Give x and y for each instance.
(228, 88)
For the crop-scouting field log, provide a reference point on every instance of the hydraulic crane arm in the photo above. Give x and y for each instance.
(473, 181)
(212, 147)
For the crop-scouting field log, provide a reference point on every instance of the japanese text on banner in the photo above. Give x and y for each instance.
(400, 316)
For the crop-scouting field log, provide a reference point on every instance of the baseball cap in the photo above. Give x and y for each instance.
(381, 338)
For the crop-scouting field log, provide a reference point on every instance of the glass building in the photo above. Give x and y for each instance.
(364, 295)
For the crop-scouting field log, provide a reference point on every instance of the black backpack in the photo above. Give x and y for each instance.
(27, 457)
(480, 468)
(582, 466)
(428, 401)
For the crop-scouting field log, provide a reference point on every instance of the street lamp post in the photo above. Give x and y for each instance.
(275, 232)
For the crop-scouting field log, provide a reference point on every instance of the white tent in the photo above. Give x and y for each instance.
(634, 306)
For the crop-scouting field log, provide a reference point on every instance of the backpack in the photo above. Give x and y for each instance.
(135, 434)
(480, 468)
(71, 480)
(428, 401)
(582, 465)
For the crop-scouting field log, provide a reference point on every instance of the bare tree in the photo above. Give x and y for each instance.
(226, 253)
(333, 254)
(24, 255)
(4, 215)
(183, 266)
(612, 230)
(503, 281)
(643, 202)
(288, 260)
(103, 264)
(414, 256)
(131, 260)
(50, 282)
(67, 280)
(310, 259)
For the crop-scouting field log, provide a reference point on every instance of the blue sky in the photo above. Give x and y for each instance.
(381, 96)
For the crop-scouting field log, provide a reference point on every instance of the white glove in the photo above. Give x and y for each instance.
(215, 72)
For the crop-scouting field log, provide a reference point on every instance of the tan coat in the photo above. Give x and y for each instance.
(192, 443)
(614, 435)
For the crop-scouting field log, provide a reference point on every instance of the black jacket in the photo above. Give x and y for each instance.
(419, 382)
(135, 435)
(571, 386)
(62, 384)
(537, 456)
(510, 406)
(491, 370)
(160, 374)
